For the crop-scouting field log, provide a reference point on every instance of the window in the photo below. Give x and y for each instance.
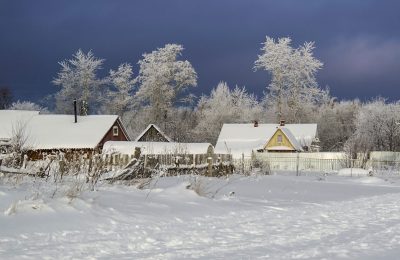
(279, 139)
(115, 130)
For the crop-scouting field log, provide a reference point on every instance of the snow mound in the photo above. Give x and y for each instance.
(276, 217)
(354, 172)
(371, 180)
(27, 206)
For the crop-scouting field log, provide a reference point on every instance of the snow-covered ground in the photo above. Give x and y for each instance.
(256, 217)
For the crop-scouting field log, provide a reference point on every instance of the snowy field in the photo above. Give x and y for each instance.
(256, 217)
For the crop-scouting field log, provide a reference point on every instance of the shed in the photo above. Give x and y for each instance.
(153, 133)
(128, 148)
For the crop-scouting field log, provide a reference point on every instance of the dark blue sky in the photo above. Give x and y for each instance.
(358, 41)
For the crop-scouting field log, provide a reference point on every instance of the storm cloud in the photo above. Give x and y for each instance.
(358, 41)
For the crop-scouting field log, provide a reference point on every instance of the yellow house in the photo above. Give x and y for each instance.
(243, 139)
(283, 141)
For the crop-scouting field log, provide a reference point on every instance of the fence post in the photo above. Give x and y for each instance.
(109, 162)
(210, 164)
(242, 163)
(351, 168)
(126, 159)
(297, 164)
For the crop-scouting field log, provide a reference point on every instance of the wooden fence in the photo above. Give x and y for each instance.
(116, 161)
(299, 162)
(303, 162)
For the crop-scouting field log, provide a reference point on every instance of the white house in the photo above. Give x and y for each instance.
(238, 139)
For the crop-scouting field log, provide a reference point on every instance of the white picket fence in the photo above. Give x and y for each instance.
(243, 165)
(317, 162)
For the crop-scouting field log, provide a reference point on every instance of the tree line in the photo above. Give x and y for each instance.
(160, 93)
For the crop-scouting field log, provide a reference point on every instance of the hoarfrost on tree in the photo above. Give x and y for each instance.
(119, 99)
(225, 106)
(377, 127)
(163, 80)
(78, 80)
(293, 75)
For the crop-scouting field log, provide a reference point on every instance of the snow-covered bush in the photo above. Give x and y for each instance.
(75, 188)
(263, 165)
(201, 186)
(28, 105)
(14, 152)
(12, 209)
(207, 186)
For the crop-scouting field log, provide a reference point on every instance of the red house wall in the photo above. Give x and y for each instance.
(122, 135)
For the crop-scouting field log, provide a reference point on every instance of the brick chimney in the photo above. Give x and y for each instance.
(282, 122)
(255, 123)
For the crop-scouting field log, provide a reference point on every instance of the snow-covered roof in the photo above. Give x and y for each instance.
(243, 138)
(10, 119)
(155, 147)
(61, 132)
(157, 128)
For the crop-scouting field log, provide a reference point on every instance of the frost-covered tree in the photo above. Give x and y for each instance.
(224, 106)
(78, 80)
(119, 99)
(293, 71)
(336, 123)
(306, 112)
(28, 105)
(163, 80)
(180, 126)
(377, 127)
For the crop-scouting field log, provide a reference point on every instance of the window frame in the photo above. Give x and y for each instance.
(115, 130)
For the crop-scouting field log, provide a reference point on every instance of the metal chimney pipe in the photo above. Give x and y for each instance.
(75, 111)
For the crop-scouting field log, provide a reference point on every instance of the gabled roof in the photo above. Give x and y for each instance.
(155, 147)
(9, 119)
(243, 138)
(296, 145)
(61, 132)
(57, 131)
(158, 130)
